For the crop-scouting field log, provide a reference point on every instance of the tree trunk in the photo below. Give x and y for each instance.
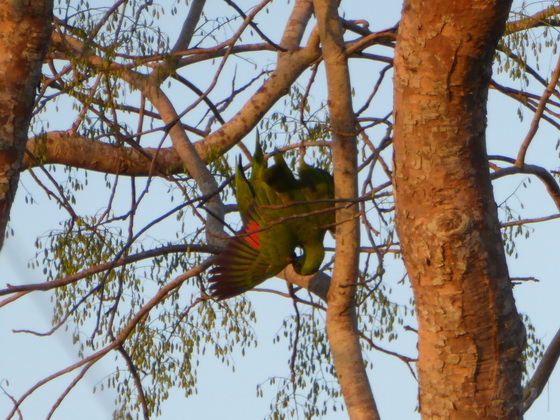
(25, 29)
(470, 335)
(342, 329)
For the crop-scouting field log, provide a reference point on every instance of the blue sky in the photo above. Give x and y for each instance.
(223, 394)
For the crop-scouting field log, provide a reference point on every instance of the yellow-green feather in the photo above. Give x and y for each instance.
(278, 213)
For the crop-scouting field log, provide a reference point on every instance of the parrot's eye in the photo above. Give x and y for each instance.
(298, 259)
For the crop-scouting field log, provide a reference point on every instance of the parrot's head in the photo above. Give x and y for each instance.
(300, 267)
(307, 260)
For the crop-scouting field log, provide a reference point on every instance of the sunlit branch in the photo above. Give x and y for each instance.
(60, 198)
(545, 176)
(140, 316)
(528, 100)
(255, 26)
(529, 221)
(137, 381)
(385, 37)
(373, 57)
(318, 283)
(12, 399)
(305, 96)
(551, 87)
(405, 359)
(189, 26)
(64, 281)
(542, 18)
(69, 388)
(69, 149)
(540, 378)
(200, 94)
(375, 89)
(87, 102)
(296, 24)
(526, 67)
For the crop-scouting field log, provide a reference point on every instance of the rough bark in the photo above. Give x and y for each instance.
(25, 29)
(341, 317)
(470, 335)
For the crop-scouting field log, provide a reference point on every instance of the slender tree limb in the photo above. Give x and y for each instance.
(380, 37)
(405, 359)
(12, 298)
(64, 281)
(290, 65)
(137, 382)
(205, 98)
(297, 22)
(546, 177)
(318, 283)
(529, 221)
(12, 399)
(77, 151)
(140, 316)
(526, 100)
(150, 87)
(541, 376)
(66, 45)
(69, 388)
(541, 18)
(254, 26)
(551, 87)
(341, 317)
(189, 26)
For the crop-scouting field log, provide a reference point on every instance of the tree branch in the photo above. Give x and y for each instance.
(540, 378)
(550, 88)
(159, 297)
(297, 22)
(318, 283)
(64, 281)
(341, 325)
(538, 19)
(189, 26)
(546, 177)
(74, 150)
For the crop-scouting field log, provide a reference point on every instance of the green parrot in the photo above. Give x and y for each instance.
(279, 214)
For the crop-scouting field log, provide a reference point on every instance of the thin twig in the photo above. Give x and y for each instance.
(538, 114)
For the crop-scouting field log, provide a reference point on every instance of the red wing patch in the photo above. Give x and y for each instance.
(252, 232)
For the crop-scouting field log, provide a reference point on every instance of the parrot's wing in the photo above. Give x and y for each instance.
(279, 215)
(249, 258)
(318, 185)
(244, 192)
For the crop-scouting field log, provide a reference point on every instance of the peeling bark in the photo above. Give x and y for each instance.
(25, 29)
(470, 335)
